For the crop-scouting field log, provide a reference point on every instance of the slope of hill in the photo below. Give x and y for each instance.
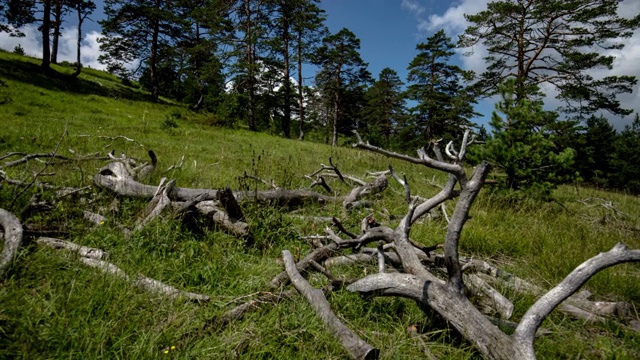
(55, 307)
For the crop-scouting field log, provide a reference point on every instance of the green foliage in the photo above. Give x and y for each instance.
(443, 104)
(523, 149)
(554, 42)
(385, 110)
(625, 160)
(18, 50)
(341, 79)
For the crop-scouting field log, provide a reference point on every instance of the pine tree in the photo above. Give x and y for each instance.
(385, 107)
(523, 147)
(18, 13)
(137, 30)
(595, 148)
(342, 69)
(443, 105)
(626, 159)
(309, 29)
(556, 43)
(295, 25)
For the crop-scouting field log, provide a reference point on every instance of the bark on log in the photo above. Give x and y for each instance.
(357, 348)
(115, 177)
(379, 184)
(83, 251)
(143, 282)
(524, 335)
(12, 239)
(456, 309)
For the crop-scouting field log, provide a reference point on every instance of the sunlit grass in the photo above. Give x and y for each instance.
(54, 307)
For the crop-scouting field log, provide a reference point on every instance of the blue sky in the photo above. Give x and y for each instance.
(389, 31)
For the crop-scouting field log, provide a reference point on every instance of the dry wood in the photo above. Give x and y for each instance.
(524, 335)
(96, 219)
(142, 282)
(357, 348)
(12, 239)
(238, 312)
(501, 304)
(456, 309)
(379, 184)
(157, 204)
(115, 177)
(83, 251)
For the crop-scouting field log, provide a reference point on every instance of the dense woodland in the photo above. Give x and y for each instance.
(242, 61)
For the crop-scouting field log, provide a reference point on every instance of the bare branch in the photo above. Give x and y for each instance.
(357, 348)
(423, 160)
(459, 218)
(142, 282)
(83, 251)
(532, 319)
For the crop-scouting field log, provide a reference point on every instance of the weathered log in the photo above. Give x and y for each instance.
(524, 335)
(447, 302)
(357, 348)
(12, 239)
(379, 184)
(157, 204)
(83, 251)
(143, 282)
(501, 304)
(115, 177)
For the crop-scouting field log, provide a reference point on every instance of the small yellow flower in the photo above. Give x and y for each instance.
(166, 351)
(173, 347)
(101, 222)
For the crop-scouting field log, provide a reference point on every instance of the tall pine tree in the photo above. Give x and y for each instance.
(385, 108)
(138, 30)
(443, 103)
(342, 72)
(557, 43)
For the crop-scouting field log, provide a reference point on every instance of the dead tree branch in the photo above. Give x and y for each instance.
(12, 239)
(143, 282)
(83, 251)
(357, 348)
(524, 335)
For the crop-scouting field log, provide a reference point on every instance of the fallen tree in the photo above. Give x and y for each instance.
(405, 267)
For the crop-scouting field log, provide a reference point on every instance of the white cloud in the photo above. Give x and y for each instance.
(413, 6)
(453, 22)
(67, 46)
(29, 42)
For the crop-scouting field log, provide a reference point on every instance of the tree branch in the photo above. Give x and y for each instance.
(357, 348)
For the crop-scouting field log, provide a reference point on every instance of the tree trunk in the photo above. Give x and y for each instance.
(57, 24)
(300, 94)
(46, 30)
(250, 69)
(153, 74)
(286, 121)
(78, 43)
(336, 108)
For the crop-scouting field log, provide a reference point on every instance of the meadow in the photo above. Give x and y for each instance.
(52, 306)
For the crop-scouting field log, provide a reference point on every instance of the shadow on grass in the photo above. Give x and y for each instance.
(30, 73)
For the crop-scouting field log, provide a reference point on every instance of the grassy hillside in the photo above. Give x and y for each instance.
(55, 307)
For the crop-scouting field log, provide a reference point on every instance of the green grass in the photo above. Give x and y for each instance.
(54, 307)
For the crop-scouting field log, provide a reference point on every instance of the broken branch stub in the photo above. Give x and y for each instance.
(12, 239)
